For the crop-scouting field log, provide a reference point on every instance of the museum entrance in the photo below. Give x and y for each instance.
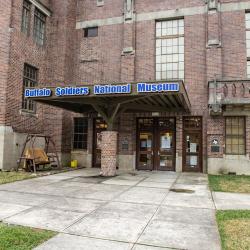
(156, 144)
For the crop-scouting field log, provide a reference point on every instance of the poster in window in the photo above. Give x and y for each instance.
(166, 142)
(193, 147)
(193, 160)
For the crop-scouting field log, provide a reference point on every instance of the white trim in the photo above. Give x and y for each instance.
(171, 13)
(235, 6)
(99, 22)
(41, 7)
(199, 10)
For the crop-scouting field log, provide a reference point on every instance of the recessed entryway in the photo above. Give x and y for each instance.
(156, 144)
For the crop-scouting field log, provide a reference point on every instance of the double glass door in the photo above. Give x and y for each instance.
(156, 144)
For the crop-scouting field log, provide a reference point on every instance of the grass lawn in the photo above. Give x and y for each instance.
(234, 227)
(6, 177)
(230, 183)
(22, 238)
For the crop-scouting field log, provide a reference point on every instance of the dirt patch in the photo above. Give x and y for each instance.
(179, 190)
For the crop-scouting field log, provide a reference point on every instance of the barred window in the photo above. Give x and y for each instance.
(26, 17)
(170, 49)
(235, 135)
(30, 77)
(80, 133)
(248, 43)
(39, 27)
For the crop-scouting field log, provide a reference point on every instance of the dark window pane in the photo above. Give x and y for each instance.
(91, 32)
(80, 133)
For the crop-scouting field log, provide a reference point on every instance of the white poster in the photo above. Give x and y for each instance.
(165, 142)
(193, 147)
(193, 160)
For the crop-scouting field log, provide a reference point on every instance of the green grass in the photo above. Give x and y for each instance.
(22, 238)
(234, 228)
(6, 177)
(230, 183)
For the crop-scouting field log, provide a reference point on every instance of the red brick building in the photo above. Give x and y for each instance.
(201, 46)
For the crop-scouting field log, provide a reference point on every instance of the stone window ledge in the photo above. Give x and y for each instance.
(28, 113)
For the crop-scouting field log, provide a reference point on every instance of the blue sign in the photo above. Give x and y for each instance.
(157, 87)
(112, 89)
(68, 91)
(104, 89)
(37, 92)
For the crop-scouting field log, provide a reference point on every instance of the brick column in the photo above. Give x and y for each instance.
(109, 153)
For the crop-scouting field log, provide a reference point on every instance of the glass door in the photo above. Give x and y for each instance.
(166, 151)
(146, 151)
(156, 144)
(192, 155)
(145, 144)
(165, 159)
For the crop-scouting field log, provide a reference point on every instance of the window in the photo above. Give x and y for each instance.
(91, 32)
(248, 43)
(29, 81)
(170, 49)
(235, 135)
(39, 27)
(80, 133)
(26, 17)
(100, 2)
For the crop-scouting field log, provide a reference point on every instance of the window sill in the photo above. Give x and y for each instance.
(76, 150)
(236, 157)
(28, 113)
(79, 152)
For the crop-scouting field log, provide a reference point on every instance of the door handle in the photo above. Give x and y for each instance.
(152, 152)
(159, 153)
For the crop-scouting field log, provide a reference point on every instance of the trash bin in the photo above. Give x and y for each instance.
(74, 163)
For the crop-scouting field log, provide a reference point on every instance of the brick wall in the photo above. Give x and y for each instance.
(69, 58)
(5, 31)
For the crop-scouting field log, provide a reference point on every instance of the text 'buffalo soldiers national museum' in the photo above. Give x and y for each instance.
(134, 84)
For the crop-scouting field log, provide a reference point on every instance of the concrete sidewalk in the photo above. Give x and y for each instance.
(231, 201)
(131, 211)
